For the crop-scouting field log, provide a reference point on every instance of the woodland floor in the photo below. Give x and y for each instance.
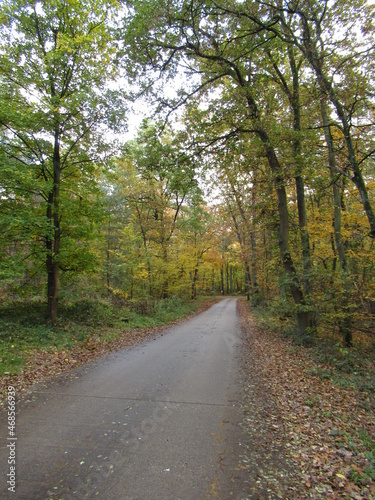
(324, 431)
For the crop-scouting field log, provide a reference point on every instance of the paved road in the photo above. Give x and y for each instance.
(158, 421)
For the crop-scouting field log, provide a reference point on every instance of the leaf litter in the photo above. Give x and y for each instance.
(306, 436)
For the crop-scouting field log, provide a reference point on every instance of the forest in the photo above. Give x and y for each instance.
(251, 173)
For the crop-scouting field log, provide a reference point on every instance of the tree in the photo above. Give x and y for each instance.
(56, 60)
(328, 37)
(158, 179)
(257, 71)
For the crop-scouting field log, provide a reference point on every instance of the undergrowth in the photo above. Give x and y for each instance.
(347, 367)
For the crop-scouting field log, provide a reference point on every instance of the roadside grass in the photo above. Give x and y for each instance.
(24, 330)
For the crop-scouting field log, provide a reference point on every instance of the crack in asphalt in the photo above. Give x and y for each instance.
(224, 405)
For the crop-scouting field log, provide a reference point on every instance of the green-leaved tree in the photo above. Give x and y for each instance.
(56, 58)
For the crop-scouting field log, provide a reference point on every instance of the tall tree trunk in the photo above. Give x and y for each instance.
(144, 240)
(254, 281)
(194, 283)
(241, 241)
(53, 240)
(108, 252)
(293, 95)
(227, 275)
(196, 267)
(251, 280)
(303, 316)
(165, 285)
(300, 185)
(49, 256)
(213, 284)
(265, 288)
(253, 243)
(247, 280)
(300, 192)
(345, 326)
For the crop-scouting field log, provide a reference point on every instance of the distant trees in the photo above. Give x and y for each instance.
(167, 244)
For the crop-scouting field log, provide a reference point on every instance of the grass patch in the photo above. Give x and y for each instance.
(368, 449)
(24, 329)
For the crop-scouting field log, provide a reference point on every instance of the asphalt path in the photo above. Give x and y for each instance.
(157, 421)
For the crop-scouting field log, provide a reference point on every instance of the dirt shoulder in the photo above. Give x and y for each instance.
(307, 425)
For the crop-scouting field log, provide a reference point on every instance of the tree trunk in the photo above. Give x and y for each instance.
(300, 192)
(345, 326)
(53, 240)
(227, 276)
(251, 280)
(165, 285)
(108, 252)
(241, 241)
(305, 325)
(279, 182)
(254, 286)
(194, 284)
(49, 257)
(253, 243)
(247, 280)
(144, 239)
(131, 284)
(264, 292)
